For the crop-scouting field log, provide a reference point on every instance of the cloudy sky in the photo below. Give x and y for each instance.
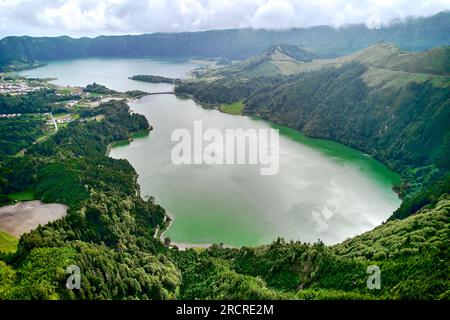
(95, 17)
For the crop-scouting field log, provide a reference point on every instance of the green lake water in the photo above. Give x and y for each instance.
(323, 190)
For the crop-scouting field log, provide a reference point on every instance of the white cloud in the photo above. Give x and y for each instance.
(275, 14)
(93, 17)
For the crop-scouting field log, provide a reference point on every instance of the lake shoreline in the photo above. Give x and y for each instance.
(396, 188)
(169, 219)
(224, 214)
(182, 245)
(129, 140)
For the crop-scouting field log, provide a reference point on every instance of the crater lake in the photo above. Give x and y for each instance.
(323, 190)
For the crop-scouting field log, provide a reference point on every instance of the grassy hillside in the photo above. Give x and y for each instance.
(233, 108)
(384, 60)
(368, 100)
(8, 243)
(387, 56)
(401, 125)
(277, 60)
(22, 196)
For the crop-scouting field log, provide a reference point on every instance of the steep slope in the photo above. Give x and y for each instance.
(277, 60)
(412, 255)
(426, 230)
(386, 64)
(435, 61)
(370, 100)
(382, 100)
(290, 60)
(401, 122)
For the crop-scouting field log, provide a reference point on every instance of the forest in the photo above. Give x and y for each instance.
(98, 88)
(19, 133)
(108, 229)
(153, 79)
(40, 101)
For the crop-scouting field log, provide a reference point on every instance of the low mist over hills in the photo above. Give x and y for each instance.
(413, 34)
(289, 60)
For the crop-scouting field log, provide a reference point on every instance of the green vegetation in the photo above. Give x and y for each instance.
(108, 229)
(65, 91)
(98, 89)
(388, 56)
(412, 255)
(8, 243)
(135, 93)
(22, 196)
(19, 133)
(388, 64)
(423, 232)
(154, 79)
(225, 90)
(233, 108)
(39, 101)
(380, 130)
(278, 60)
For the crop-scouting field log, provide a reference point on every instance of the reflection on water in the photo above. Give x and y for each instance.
(322, 190)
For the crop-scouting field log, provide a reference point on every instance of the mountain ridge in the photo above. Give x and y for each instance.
(384, 61)
(281, 59)
(413, 34)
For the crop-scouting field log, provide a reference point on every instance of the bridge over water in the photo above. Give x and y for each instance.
(164, 92)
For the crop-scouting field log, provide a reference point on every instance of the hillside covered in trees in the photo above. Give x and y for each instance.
(109, 227)
(109, 233)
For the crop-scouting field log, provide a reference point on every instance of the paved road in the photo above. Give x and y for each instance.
(54, 122)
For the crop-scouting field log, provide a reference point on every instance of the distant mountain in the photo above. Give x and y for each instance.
(435, 61)
(382, 61)
(413, 34)
(277, 60)
(289, 60)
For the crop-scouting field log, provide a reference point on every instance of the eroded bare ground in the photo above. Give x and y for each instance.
(25, 216)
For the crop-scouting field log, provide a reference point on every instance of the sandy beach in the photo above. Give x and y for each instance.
(182, 245)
